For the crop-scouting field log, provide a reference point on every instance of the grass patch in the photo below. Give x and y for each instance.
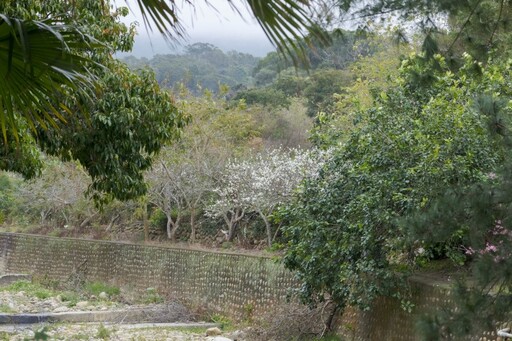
(70, 298)
(152, 296)
(40, 334)
(224, 322)
(96, 288)
(4, 308)
(103, 332)
(45, 288)
(31, 289)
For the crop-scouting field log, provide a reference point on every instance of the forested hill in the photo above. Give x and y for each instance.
(201, 66)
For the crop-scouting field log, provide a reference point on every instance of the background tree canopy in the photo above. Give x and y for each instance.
(114, 128)
(201, 66)
(79, 38)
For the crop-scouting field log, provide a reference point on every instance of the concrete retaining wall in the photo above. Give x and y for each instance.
(232, 284)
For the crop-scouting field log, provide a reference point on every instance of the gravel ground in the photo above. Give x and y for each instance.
(101, 332)
(21, 302)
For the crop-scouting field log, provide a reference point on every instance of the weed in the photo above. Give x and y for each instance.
(227, 245)
(47, 282)
(152, 296)
(54, 233)
(96, 288)
(40, 335)
(103, 332)
(31, 289)
(4, 308)
(71, 298)
(248, 312)
(223, 321)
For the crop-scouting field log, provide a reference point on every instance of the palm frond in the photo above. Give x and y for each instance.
(36, 66)
(285, 22)
(164, 15)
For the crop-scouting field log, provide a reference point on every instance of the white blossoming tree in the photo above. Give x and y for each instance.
(260, 184)
(166, 192)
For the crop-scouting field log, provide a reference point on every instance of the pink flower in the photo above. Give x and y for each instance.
(469, 251)
(490, 248)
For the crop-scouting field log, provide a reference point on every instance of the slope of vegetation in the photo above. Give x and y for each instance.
(373, 162)
(200, 66)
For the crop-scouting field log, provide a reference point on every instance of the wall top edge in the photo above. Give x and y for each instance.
(163, 247)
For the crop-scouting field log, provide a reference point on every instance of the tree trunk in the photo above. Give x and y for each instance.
(168, 226)
(112, 221)
(267, 228)
(331, 317)
(192, 225)
(231, 231)
(145, 221)
(173, 234)
(66, 219)
(172, 227)
(44, 215)
(232, 222)
(231, 227)
(87, 220)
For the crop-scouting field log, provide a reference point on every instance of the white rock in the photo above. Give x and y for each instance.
(61, 309)
(237, 335)
(82, 304)
(103, 295)
(213, 331)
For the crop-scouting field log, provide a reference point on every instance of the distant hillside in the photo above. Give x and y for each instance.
(201, 65)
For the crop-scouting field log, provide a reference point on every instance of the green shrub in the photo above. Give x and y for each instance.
(71, 298)
(31, 289)
(152, 296)
(4, 308)
(95, 288)
(103, 332)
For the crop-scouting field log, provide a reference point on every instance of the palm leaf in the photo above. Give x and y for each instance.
(36, 66)
(285, 22)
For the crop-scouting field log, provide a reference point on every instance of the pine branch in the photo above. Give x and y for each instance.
(468, 19)
(502, 4)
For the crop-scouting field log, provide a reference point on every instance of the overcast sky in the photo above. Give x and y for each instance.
(221, 27)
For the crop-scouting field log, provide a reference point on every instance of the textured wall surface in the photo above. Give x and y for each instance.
(229, 283)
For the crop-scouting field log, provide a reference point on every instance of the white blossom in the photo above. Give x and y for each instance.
(262, 183)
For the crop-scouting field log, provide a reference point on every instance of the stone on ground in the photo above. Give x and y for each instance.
(213, 331)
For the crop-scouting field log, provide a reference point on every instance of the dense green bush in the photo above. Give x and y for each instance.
(423, 135)
(267, 96)
(7, 184)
